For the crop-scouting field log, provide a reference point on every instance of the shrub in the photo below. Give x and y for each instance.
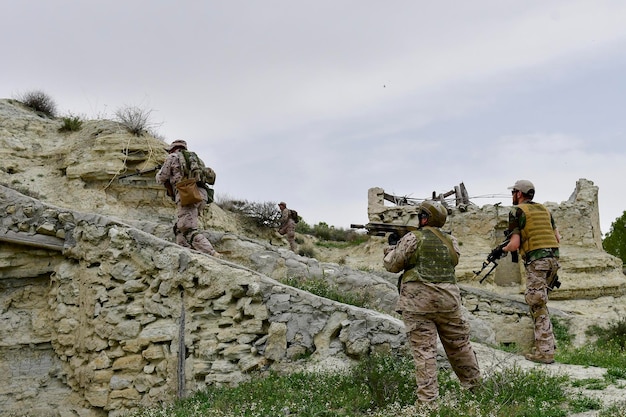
(134, 119)
(306, 250)
(39, 101)
(265, 215)
(71, 123)
(561, 329)
(328, 233)
(389, 378)
(614, 242)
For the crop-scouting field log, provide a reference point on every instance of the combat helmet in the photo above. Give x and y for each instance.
(437, 213)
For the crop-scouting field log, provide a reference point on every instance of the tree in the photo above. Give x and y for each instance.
(615, 241)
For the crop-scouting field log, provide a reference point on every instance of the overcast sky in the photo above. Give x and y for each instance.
(315, 102)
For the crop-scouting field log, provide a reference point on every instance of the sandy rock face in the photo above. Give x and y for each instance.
(101, 313)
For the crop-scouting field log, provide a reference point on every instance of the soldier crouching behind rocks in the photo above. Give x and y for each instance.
(186, 227)
(430, 301)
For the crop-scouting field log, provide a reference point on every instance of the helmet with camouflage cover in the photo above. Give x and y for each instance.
(437, 213)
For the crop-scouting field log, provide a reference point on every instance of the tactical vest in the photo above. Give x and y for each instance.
(537, 232)
(432, 261)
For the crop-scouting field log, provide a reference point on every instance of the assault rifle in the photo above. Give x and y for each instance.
(168, 187)
(381, 229)
(138, 172)
(495, 254)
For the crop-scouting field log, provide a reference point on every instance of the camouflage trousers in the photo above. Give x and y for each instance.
(454, 332)
(188, 234)
(194, 239)
(538, 273)
(289, 229)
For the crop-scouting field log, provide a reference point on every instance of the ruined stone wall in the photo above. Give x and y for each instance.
(578, 218)
(479, 229)
(120, 318)
(98, 317)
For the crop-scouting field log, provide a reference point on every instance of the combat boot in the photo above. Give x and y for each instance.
(540, 357)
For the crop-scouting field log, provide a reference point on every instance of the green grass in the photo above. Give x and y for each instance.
(332, 244)
(321, 287)
(606, 351)
(615, 410)
(383, 385)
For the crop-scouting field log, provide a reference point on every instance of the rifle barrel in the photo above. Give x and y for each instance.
(145, 171)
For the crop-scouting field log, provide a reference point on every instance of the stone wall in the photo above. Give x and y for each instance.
(119, 318)
(98, 317)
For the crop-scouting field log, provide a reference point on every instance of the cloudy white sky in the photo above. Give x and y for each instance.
(314, 102)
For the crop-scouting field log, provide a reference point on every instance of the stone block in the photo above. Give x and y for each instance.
(129, 363)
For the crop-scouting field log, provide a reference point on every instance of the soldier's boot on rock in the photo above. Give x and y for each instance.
(540, 357)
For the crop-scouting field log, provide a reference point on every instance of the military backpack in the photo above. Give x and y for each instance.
(195, 168)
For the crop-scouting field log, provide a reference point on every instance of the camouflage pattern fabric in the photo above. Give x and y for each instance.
(288, 228)
(453, 331)
(537, 274)
(186, 216)
(430, 310)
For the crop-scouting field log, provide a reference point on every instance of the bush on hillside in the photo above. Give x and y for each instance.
(71, 123)
(267, 214)
(134, 119)
(331, 236)
(264, 214)
(39, 101)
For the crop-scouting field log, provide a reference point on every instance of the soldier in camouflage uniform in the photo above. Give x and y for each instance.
(287, 226)
(430, 301)
(186, 228)
(534, 233)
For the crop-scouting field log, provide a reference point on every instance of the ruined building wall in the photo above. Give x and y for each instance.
(479, 229)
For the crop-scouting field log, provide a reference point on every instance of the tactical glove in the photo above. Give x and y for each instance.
(393, 239)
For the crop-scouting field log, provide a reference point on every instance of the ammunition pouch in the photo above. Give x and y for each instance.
(552, 280)
(543, 311)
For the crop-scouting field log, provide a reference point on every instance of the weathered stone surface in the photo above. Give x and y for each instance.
(101, 306)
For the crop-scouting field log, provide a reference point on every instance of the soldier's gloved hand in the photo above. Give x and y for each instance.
(497, 253)
(393, 239)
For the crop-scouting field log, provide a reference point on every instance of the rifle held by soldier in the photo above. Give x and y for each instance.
(168, 187)
(138, 172)
(495, 254)
(381, 229)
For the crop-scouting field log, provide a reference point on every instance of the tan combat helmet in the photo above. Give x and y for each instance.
(437, 213)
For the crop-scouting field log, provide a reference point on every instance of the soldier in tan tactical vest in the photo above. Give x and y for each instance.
(430, 301)
(534, 234)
